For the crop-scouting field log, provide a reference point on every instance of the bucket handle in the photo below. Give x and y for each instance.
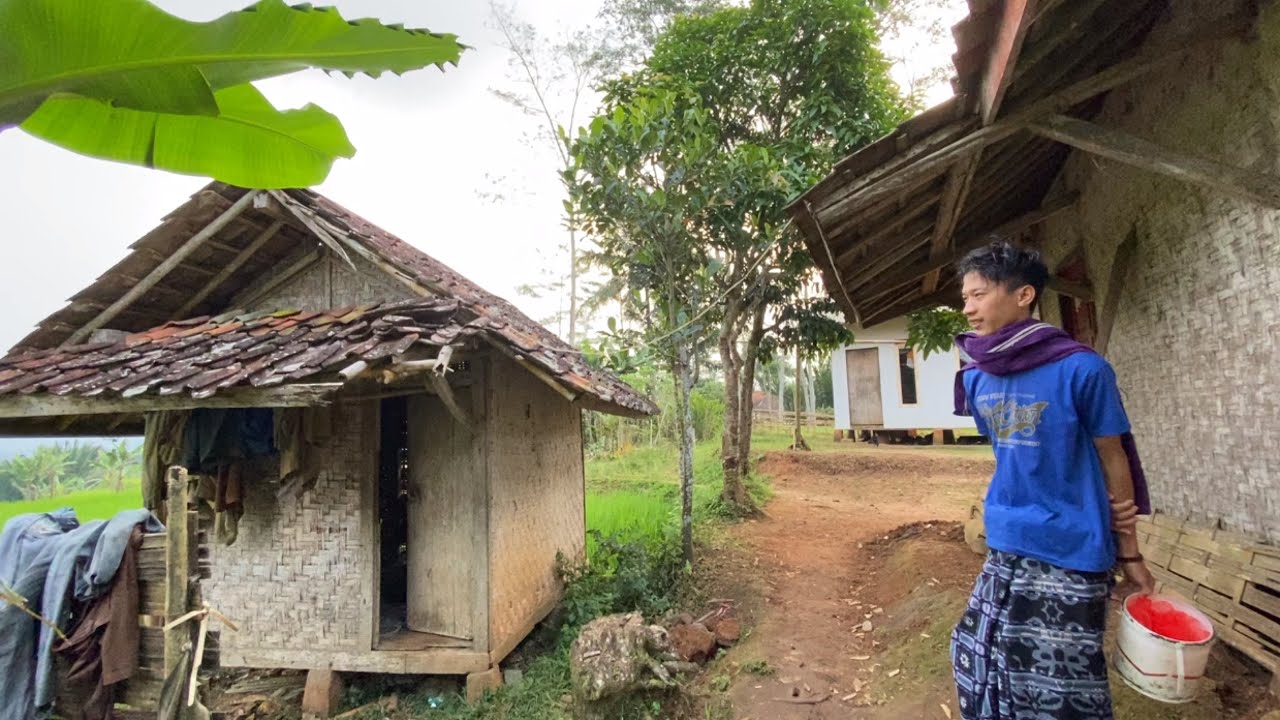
(1181, 664)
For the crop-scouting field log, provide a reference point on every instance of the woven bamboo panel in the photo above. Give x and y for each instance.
(536, 498)
(332, 283)
(298, 574)
(1234, 580)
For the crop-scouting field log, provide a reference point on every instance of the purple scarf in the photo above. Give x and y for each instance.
(1026, 345)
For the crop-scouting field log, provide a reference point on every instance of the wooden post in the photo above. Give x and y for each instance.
(179, 550)
(322, 695)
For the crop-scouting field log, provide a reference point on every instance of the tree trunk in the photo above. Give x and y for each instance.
(782, 389)
(737, 402)
(811, 398)
(749, 360)
(573, 283)
(683, 376)
(798, 442)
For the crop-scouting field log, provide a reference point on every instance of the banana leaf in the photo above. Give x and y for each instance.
(247, 143)
(130, 53)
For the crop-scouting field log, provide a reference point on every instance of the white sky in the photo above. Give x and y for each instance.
(429, 143)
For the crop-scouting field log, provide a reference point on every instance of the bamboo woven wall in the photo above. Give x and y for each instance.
(537, 496)
(300, 574)
(330, 282)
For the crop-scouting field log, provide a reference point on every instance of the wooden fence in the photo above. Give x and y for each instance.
(1233, 579)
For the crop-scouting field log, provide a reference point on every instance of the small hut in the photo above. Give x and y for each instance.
(392, 456)
(882, 383)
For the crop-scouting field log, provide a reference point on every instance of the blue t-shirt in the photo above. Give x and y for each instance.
(1048, 497)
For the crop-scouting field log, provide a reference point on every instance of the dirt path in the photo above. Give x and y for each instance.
(863, 570)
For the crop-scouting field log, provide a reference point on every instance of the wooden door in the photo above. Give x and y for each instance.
(862, 367)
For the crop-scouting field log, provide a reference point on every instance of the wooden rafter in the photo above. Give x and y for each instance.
(228, 270)
(928, 165)
(888, 283)
(945, 296)
(156, 275)
(1015, 19)
(959, 182)
(1120, 266)
(1120, 146)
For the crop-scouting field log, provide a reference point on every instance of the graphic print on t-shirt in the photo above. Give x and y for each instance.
(1010, 415)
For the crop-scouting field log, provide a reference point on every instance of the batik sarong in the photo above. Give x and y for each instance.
(1029, 646)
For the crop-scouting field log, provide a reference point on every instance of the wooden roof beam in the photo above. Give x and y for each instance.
(946, 296)
(1015, 19)
(46, 405)
(954, 196)
(929, 165)
(228, 270)
(894, 227)
(888, 283)
(163, 268)
(1011, 30)
(1261, 188)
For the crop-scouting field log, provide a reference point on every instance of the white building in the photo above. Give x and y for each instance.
(880, 383)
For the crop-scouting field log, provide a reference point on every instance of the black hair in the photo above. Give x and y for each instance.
(1007, 264)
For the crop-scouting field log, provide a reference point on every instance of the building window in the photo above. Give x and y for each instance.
(907, 375)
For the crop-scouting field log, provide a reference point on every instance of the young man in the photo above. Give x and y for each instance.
(1060, 509)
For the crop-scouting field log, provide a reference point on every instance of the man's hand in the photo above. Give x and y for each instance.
(1137, 579)
(1124, 516)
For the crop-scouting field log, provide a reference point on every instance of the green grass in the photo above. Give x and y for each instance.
(96, 504)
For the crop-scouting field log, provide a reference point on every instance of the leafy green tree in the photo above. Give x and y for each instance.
(934, 329)
(640, 171)
(116, 464)
(789, 86)
(126, 81)
(48, 468)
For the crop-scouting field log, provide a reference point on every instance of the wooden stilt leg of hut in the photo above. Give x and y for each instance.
(479, 683)
(323, 694)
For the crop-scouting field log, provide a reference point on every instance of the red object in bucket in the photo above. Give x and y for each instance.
(1165, 619)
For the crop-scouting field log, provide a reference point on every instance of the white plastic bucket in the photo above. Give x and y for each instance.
(1159, 667)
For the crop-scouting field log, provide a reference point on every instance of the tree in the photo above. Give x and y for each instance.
(48, 466)
(116, 464)
(640, 171)
(789, 86)
(554, 79)
(933, 330)
(181, 97)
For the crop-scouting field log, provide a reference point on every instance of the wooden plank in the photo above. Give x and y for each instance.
(448, 520)
(1255, 598)
(227, 270)
(862, 369)
(45, 405)
(1011, 30)
(436, 661)
(178, 564)
(1261, 188)
(164, 268)
(1120, 267)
